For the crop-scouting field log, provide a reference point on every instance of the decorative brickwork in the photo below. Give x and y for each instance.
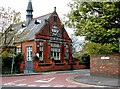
(105, 65)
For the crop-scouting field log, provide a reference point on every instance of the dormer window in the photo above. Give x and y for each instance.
(37, 21)
(23, 25)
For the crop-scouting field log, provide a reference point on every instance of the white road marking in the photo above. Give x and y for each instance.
(32, 85)
(100, 86)
(9, 84)
(21, 84)
(46, 80)
(13, 83)
(45, 85)
(59, 86)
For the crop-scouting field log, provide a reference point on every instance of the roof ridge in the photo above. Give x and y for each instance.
(42, 16)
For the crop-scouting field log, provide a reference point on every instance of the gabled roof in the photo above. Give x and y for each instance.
(32, 29)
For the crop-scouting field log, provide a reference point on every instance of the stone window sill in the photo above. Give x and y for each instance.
(59, 63)
(72, 63)
(45, 64)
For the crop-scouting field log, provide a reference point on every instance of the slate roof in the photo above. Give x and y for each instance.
(29, 32)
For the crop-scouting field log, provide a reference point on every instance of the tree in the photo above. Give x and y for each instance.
(9, 19)
(93, 48)
(98, 21)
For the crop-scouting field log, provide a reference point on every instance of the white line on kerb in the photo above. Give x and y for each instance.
(45, 85)
(32, 85)
(59, 86)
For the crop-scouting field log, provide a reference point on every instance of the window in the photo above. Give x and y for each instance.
(67, 52)
(55, 51)
(41, 51)
(55, 18)
(55, 34)
(55, 31)
(29, 53)
(18, 50)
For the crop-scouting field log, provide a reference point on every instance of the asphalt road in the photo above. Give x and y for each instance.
(50, 79)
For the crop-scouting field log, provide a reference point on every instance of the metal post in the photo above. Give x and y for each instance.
(12, 64)
(12, 58)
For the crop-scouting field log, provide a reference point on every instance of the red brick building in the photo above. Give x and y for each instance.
(46, 37)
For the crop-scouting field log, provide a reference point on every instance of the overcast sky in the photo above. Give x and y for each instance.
(40, 7)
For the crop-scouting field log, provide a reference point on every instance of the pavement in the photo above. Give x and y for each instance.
(84, 78)
(96, 80)
(99, 81)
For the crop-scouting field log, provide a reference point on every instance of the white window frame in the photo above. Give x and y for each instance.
(55, 51)
(29, 53)
(41, 50)
(18, 50)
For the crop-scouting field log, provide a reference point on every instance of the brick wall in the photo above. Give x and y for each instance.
(105, 67)
(58, 66)
(39, 67)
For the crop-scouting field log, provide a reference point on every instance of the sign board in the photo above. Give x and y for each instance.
(37, 54)
(105, 57)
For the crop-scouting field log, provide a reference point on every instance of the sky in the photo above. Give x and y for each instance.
(40, 7)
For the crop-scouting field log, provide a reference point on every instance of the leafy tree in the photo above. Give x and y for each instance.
(98, 21)
(9, 19)
(95, 48)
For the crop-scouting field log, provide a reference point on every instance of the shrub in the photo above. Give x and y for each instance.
(17, 61)
(6, 62)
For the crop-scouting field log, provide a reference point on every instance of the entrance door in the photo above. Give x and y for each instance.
(29, 61)
(28, 67)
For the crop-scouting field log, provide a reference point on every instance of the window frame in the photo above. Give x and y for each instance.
(55, 51)
(18, 50)
(29, 53)
(41, 51)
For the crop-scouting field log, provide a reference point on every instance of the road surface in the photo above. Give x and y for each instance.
(50, 79)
